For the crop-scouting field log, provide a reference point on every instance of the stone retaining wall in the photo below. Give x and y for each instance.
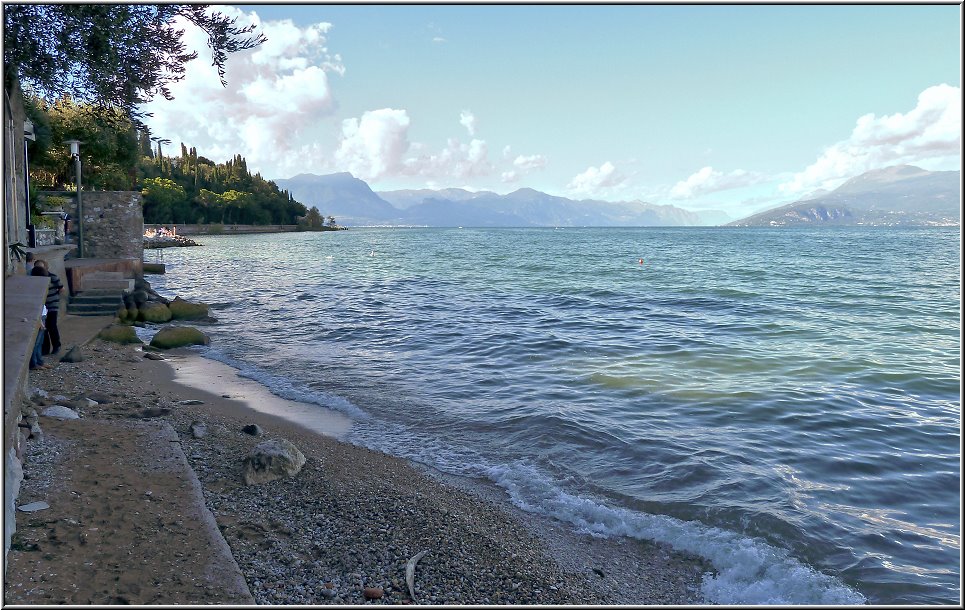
(218, 229)
(113, 224)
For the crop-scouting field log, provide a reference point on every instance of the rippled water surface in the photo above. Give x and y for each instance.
(783, 402)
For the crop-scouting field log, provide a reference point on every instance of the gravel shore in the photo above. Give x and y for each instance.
(343, 529)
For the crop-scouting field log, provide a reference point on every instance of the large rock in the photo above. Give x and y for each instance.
(272, 460)
(75, 355)
(117, 333)
(179, 336)
(183, 310)
(60, 412)
(153, 311)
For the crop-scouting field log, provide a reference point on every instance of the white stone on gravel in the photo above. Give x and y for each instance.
(60, 412)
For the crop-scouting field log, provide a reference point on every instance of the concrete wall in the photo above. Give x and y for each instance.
(113, 224)
(23, 298)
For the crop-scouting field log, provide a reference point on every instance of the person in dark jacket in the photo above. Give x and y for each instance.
(54, 290)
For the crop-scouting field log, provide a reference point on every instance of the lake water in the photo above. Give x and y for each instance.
(785, 403)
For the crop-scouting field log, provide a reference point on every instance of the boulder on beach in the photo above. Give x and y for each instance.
(184, 310)
(152, 311)
(179, 336)
(118, 333)
(272, 460)
(60, 412)
(74, 354)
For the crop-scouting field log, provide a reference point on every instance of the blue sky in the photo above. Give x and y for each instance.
(736, 108)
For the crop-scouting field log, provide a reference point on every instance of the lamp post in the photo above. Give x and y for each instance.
(75, 153)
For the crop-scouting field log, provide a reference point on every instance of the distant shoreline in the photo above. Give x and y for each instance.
(235, 229)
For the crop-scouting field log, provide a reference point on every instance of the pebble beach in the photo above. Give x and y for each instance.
(341, 531)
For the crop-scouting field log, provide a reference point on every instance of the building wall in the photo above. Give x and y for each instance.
(113, 224)
(14, 185)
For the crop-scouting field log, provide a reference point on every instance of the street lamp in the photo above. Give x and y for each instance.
(75, 153)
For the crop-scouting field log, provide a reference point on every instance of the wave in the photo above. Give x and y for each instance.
(748, 570)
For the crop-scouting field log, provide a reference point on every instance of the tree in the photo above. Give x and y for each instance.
(108, 154)
(112, 56)
(161, 198)
(238, 200)
(314, 218)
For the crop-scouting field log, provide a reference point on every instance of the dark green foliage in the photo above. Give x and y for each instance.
(113, 57)
(223, 193)
(109, 149)
(187, 189)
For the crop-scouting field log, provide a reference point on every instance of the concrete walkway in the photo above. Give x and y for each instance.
(126, 521)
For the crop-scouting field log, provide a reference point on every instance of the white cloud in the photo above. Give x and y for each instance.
(269, 111)
(373, 146)
(468, 120)
(929, 135)
(529, 163)
(438, 39)
(597, 181)
(522, 165)
(708, 180)
(456, 160)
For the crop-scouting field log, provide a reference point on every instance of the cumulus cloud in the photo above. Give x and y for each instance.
(522, 165)
(275, 95)
(373, 146)
(468, 120)
(708, 180)
(928, 135)
(457, 160)
(597, 181)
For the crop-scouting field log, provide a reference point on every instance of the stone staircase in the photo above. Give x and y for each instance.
(101, 294)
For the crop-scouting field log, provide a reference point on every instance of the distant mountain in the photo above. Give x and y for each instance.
(343, 196)
(353, 203)
(407, 198)
(897, 195)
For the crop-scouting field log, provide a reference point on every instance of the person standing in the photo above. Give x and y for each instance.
(54, 290)
(36, 360)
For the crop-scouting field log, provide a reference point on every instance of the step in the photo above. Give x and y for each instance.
(92, 310)
(106, 280)
(94, 299)
(121, 285)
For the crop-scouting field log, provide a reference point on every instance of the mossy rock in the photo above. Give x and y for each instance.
(154, 312)
(183, 310)
(179, 336)
(118, 333)
(126, 316)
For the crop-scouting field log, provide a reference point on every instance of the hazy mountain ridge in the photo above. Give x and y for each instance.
(352, 202)
(896, 195)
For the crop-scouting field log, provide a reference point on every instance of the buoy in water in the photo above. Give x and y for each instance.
(641, 261)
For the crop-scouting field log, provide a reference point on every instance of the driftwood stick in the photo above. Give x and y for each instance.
(410, 573)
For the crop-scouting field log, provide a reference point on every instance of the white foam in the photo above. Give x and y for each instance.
(750, 571)
(283, 387)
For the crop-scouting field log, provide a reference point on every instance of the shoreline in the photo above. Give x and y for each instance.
(353, 517)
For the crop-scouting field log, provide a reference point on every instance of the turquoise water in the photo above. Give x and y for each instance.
(785, 403)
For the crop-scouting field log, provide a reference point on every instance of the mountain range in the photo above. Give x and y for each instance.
(896, 195)
(354, 203)
(901, 194)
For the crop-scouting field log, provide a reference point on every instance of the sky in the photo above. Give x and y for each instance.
(737, 108)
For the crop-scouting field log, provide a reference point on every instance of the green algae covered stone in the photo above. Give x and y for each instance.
(117, 333)
(183, 310)
(154, 312)
(179, 336)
